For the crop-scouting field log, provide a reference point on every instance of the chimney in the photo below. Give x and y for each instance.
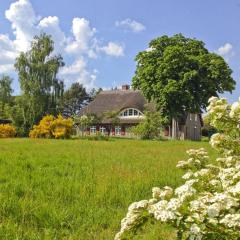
(125, 87)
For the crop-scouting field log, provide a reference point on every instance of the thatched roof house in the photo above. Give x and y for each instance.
(129, 103)
(129, 106)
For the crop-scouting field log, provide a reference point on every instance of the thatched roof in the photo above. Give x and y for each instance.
(115, 100)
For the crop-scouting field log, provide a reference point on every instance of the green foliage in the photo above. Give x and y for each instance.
(5, 96)
(85, 121)
(20, 115)
(98, 137)
(6, 89)
(42, 90)
(112, 117)
(207, 130)
(180, 75)
(78, 189)
(74, 99)
(93, 93)
(150, 127)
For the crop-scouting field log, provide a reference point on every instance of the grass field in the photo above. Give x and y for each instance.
(80, 189)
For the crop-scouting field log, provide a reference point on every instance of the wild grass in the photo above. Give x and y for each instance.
(80, 189)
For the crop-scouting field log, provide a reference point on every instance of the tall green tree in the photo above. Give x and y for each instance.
(180, 75)
(93, 93)
(74, 99)
(5, 95)
(42, 91)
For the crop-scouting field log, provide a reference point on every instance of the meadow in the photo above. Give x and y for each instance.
(80, 189)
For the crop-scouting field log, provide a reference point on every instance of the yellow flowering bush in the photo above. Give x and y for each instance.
(51, 127)
(43, 129)
(7, 131)
(61, 128)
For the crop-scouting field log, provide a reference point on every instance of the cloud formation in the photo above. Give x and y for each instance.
(226, 51)
(80, 46)
(113, 49)
(131, 25)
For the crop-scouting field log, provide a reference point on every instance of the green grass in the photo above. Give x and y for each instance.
(80, 189)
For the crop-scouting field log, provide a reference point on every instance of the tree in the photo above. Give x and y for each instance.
(112, 117)
(5, 95)
(93, 93)
(42, 90)
(207, 130)
(83, 122)
(74, 99)
(180, 75)
(150, 127)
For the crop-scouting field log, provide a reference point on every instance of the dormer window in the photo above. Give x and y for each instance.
(131, 112)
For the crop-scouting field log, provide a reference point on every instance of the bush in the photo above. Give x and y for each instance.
(150, 127)
(207, 205)
(7, 131)
(51, 127)
(98, 137)
(43, 129)
(61, 128)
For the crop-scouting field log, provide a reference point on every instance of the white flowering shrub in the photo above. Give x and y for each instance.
(207, 205)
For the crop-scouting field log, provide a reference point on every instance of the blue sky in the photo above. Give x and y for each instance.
(99, 39)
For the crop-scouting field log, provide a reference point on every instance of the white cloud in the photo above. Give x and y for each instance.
(7, 50)
(80, 46)
(83, 35)
(226, 51)
(113, 49)
(6, 68)
(22, 17)
(75, 68)
(50, 25)
(130, 24)
(78, 72)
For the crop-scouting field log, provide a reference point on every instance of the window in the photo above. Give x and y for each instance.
(117, 130)
(130, 112)
(102, 130)
(93, 130)
(190, 117)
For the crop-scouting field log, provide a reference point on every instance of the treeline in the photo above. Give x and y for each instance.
(42, 92)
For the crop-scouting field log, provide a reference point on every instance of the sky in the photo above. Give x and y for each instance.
(100, 39)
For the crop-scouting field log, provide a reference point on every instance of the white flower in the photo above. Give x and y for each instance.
(156, 191)
(231, 220)
(213, 210)
(195, 229)
(187, 175)
(210, 196)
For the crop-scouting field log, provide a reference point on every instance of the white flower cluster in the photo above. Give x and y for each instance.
(208, 203)
(132, 218)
